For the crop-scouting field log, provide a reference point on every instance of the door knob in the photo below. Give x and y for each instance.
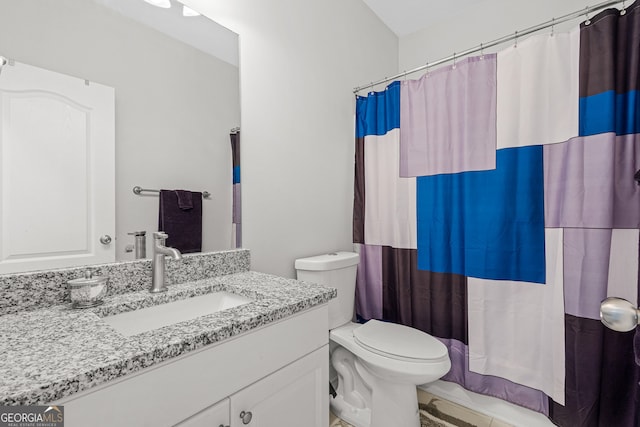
(619, 314)
(246, 417)
(105, 240)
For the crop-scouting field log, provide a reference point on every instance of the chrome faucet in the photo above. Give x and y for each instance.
(158, 263)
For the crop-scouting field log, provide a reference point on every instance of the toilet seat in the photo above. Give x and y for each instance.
(399, 342)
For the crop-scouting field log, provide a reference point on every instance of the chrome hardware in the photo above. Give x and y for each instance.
(137, 190)
(619, 314)
(246, 417)
(140, 244)
(158, 263)
(586, 15)
(105, 240)
(222, 425)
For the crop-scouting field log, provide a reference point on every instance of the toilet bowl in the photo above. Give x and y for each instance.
(378, 364)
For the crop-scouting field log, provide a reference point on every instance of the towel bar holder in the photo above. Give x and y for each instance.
(139, 190)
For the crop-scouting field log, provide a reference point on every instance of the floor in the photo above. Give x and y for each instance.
(437, 412)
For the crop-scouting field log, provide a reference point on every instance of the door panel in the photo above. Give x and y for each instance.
(57, 189)
(296, 395)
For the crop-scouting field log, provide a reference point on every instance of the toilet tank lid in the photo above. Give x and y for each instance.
(330, 261)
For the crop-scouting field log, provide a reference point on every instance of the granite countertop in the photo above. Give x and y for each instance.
(51, 353)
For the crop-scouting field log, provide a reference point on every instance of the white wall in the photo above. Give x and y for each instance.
(299, 61)
(174, 104)
(485, 21)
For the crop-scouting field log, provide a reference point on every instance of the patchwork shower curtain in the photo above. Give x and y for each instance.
(495, 207)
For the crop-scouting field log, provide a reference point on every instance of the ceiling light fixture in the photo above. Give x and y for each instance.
(160, 3)
(187, 11)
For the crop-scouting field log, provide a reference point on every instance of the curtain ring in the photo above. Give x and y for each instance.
(586, 14)
(481, 51)
(516, 37)
(454, 61)
(553, 26)
(623, 11)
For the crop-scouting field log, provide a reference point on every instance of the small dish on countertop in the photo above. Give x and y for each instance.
(87, 291)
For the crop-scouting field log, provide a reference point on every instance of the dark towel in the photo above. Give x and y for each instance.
(184, 227)
(185, 199)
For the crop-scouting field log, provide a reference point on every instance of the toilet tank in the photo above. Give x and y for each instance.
(337, 270)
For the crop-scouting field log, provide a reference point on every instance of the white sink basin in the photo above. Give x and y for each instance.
(147, 319)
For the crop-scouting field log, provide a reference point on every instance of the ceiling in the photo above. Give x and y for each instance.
(404, 17)
(197, 31)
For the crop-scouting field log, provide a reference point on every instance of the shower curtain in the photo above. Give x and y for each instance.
(495, 207)
(236, 233)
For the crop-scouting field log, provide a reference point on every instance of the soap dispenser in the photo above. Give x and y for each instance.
(139, 245)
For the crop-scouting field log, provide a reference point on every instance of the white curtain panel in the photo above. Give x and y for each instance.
(516, 329)
(537, 99)
(390, 211)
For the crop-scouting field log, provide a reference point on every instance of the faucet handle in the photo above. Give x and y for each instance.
(160, 235)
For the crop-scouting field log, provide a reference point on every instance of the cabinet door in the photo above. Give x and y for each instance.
(296, 395)
(57, 170)
(214, 416)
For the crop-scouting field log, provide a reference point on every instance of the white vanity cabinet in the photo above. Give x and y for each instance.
(279, 373)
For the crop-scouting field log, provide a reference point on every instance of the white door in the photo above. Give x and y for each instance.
(296, 395)
(57, 170)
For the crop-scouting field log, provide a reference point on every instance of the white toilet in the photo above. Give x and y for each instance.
(379, 364)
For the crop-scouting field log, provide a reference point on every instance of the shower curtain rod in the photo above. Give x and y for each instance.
(514, 36)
